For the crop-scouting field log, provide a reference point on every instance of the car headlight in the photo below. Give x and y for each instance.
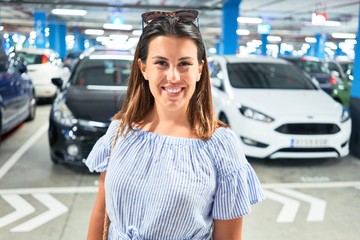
(63, 115)
(344, 115)
(256, 115)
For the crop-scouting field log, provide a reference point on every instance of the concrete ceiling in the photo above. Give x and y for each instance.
(289, 19)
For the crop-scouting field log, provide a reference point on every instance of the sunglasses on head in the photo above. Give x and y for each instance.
(183, 16)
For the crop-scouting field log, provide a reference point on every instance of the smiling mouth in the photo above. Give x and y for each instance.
(172, 90)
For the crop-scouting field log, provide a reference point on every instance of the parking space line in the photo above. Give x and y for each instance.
(22, 150)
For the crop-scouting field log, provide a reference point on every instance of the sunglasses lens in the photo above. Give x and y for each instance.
(188, 16)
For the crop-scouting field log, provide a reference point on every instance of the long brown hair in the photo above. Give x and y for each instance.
(139, 100)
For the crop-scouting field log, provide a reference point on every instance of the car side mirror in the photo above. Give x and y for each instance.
(57, 82)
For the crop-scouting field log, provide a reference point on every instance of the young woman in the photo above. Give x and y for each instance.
(175, 171)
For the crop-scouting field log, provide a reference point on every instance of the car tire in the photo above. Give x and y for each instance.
(53, 158)
(32, 108)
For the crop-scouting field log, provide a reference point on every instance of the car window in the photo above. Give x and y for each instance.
(267, 76)
(102, 72)
(31, 58)
(4, 62)
(311, 66)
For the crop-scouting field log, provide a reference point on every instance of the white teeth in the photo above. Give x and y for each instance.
(173, 90)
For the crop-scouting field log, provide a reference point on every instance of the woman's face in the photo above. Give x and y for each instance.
(172, 70)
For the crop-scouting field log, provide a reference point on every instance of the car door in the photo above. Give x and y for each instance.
(21, 85)
(7, 94)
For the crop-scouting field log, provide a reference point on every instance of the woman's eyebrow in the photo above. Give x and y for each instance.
(164, 58)
(159, 57)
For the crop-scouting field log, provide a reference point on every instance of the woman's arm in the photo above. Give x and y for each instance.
(228, 229)
(96, 225)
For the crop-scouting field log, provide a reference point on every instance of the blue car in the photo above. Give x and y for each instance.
(17, 93)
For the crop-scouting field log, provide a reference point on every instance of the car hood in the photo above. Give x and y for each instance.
(290, 103)
(98, 103)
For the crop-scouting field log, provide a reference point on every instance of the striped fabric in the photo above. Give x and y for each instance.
(161, 187)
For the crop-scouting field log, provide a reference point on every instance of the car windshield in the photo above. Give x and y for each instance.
(347, 67)
(311, 66)
(103, 72)
(32, 58)
(267, 76)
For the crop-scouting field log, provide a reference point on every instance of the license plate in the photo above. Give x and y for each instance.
(308, 143)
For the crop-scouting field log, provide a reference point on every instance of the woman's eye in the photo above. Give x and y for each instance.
(161, 63)
(185, 64)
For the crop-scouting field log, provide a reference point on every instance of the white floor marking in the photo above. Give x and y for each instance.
(84, 189)
(289, 209)
(312, 185)
(317, 206)
(22, 209)
(19, 153)
(56, 209)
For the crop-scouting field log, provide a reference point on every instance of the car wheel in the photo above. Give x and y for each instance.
(223, 118)
(32, 108)
(53, 158)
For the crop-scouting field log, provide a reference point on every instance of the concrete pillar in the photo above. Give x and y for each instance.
(229, 38)
(264, 43)
(321, 39)
(39, 28)
(57, 36)
(355, 101)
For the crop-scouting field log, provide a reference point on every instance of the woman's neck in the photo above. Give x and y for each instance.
(170, 124)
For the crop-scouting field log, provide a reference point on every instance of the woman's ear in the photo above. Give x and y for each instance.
(200, 69)
(142, 67)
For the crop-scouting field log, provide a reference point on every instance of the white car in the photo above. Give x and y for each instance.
(276, 110)
(43, 65)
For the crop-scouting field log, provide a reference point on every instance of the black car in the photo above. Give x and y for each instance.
(17, 93)
(317, 69)
(82, 112)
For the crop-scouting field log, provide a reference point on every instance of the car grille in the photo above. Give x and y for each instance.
(308, 128)
(307, 150)
(89, 141)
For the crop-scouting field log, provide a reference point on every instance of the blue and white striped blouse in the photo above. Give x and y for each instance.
(162, 187)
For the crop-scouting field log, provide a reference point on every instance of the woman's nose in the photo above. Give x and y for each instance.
(173, 75)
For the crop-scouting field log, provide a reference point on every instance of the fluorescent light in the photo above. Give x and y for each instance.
(137, 32)
(351, 41)
(116, 26)
(249, 20)
(242, 32)
(310, 40)
(274, 38)
(94, 32)
(343, 35)
(72, 12)
(332, 23)
(118, 37)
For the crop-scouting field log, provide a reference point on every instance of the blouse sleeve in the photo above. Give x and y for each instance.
(238, 187)
(98, 158)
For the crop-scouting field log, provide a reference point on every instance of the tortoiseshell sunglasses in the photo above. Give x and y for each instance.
(183, 16)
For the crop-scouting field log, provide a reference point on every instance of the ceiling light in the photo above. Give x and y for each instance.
(332, 23)
(274, 38)
(72, 12)
(94, 32)
(310, 40)
(249, 20)
(343, 35)
(116, 26)
(242, 32)
(1, 28)
(136, 32)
